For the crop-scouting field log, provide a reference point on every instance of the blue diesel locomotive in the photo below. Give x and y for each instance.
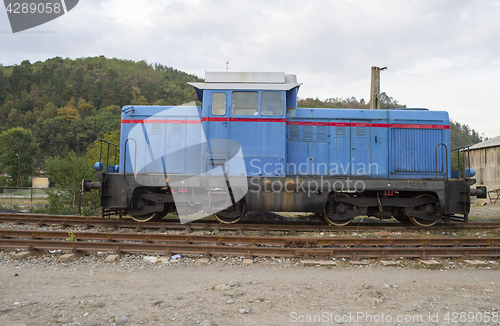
(249, 148)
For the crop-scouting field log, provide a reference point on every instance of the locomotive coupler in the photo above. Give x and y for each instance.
(88, 185)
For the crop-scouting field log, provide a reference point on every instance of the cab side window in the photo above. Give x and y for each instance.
(271, 103)
(245, 103)
(219, 104)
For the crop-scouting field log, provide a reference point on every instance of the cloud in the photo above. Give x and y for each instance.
(440, 54)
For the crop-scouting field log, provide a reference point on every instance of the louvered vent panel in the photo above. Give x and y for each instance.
(321, 132)
(361, 131)
(294, 132)
(340, 130)
(308, 132)
(413, 150)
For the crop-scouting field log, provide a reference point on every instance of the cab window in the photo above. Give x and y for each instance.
(271, 103)
(245, 103)
(219, 104)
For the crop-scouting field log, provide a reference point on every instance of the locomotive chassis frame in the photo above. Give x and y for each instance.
(296, 193)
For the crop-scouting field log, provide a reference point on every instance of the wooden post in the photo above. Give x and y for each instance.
(375, 88)
(19, 166)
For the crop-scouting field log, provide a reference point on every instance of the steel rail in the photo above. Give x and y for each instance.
(249, 240)
(167, 249)
(265, 226)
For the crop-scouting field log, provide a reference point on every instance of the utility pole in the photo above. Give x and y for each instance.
(19, 165)
(375, 88)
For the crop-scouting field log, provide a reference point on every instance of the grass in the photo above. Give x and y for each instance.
(15, 203)
(18, 201)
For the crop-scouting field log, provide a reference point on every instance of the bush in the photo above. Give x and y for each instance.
(4, 182)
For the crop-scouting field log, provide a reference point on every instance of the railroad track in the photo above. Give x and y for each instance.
(216, 227)
(290, 247)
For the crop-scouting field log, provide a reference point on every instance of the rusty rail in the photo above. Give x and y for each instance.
(248, 240)
(215, 227)
(252, 246)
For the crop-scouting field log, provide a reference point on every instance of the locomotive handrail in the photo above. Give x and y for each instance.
(463, 149)
(105, 167)
(436, 154)
(107, 157)
(125, 155)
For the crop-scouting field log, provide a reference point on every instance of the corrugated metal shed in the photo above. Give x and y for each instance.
(488, 143)
(485, 159)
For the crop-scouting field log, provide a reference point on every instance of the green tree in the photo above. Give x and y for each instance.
(49, 111)
(69, 170)
(387, 102)
(3, 87)
(15, 119)
(17, 153)
(85, 109)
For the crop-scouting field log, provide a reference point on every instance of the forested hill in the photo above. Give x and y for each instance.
(463, 135)
(67, 104)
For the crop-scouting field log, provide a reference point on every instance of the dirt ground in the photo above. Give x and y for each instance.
(87, 293)
(482, 208)
(135, 291)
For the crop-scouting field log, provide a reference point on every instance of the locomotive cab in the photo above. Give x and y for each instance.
(249, 109)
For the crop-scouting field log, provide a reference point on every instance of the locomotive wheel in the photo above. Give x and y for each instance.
(429, 209)
(147, 217)
(335, 213)
(138, 206)
(229, 216)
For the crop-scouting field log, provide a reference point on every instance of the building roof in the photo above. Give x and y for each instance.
(248, 81)
(493, 142)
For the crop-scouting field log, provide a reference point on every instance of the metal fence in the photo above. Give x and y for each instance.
(37, 200)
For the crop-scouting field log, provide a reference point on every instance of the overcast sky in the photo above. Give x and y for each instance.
(442, 55)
